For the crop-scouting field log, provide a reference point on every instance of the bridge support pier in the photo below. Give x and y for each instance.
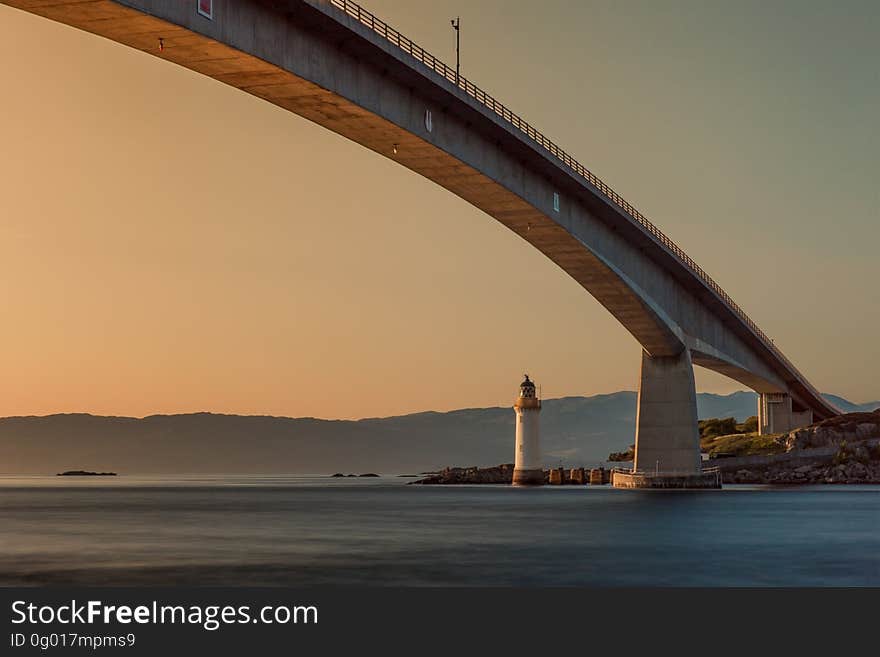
(667, 451)
(667, 436)
(776, 415)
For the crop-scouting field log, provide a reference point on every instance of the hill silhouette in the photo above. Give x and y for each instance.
(575, 430)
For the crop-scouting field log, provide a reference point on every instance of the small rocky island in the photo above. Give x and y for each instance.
(85, 473)
(366, 474)
(500, 474)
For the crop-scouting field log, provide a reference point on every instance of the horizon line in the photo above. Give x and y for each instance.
(364, 418)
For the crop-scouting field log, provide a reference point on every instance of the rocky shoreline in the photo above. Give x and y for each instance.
(850, 454)
(500, 474)
(503, 474)
(840, 450)
(849, 473)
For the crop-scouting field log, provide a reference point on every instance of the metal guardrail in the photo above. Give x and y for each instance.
(393, 36)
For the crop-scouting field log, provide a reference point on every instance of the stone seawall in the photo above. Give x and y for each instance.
(818, 454)
(794, 458)
(503, 474)
(701, 480)
(855, 463)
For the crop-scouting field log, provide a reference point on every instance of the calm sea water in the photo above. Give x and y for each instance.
(245, 530)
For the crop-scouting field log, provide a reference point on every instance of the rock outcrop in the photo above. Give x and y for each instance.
(856, 459)
(852, 472)
(849, 428)
(500, 474)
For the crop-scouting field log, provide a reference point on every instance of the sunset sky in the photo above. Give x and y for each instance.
(169, 244)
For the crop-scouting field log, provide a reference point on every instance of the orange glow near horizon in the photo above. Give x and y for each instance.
(169, 244)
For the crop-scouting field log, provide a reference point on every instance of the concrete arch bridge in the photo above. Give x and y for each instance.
(333, 62)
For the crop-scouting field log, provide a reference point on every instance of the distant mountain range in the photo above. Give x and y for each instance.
(575, 431)
(849, 407)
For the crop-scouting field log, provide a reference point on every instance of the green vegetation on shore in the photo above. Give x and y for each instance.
(628, 455)
(726, 426)
(725, 437)
(743, 444)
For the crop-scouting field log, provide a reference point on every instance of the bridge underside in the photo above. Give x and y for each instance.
(309, 58)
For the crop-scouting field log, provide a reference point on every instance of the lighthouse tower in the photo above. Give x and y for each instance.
(528, 469)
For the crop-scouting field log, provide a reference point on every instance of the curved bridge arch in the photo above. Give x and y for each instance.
(336, 64)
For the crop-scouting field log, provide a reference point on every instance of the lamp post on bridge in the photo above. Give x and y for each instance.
(456, 25)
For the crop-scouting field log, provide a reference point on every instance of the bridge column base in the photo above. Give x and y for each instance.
(667, 436)
(707, 479)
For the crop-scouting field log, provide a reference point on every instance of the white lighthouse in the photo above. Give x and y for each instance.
(528, 468)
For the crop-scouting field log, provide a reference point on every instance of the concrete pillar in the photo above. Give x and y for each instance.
(775, 414)
(801, 419)
(760, 415)
(577, 476)
(557, 476)
(667, 437)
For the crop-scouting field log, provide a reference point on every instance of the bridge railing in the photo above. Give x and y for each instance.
(393, 36)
